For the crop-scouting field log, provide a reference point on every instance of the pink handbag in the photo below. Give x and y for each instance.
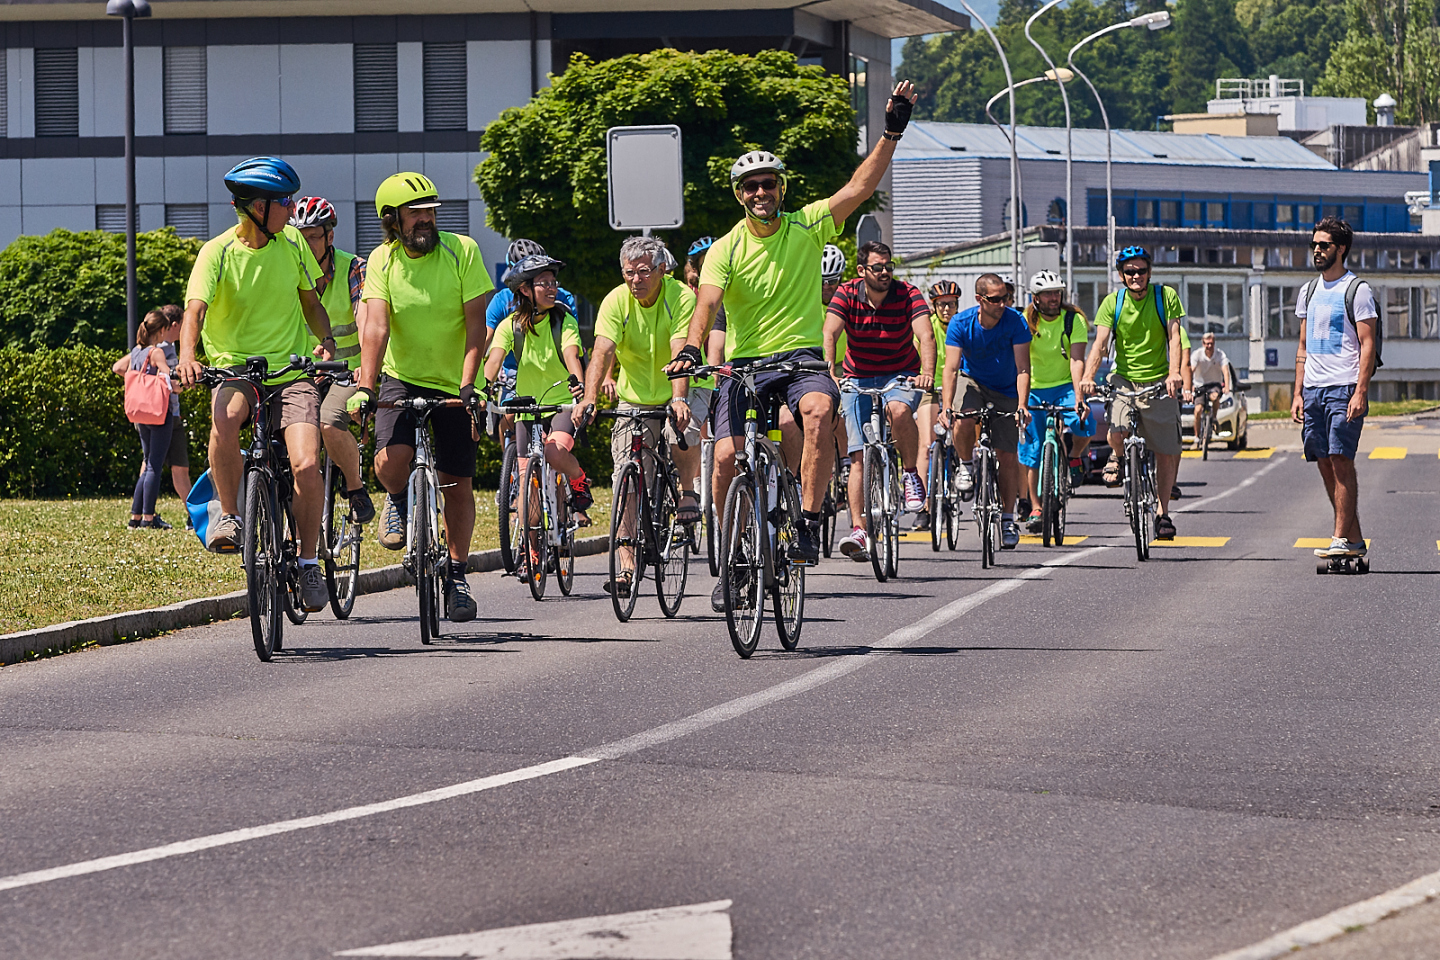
(147, 397)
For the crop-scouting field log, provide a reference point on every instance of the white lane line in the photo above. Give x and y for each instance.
(1248, 481)
(1335, 924)
(618, 748)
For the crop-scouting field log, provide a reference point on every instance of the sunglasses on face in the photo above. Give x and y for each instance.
(750, 187)
(1320, 246)
(995, 300)
(1136, 271)
(880, 267)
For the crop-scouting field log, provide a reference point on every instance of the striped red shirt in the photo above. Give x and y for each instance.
(881, 340)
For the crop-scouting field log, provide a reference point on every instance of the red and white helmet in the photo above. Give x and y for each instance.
(313, 212)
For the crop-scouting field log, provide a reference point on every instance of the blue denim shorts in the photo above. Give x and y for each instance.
(1325, 431)
(1033, 445)
(856, 406)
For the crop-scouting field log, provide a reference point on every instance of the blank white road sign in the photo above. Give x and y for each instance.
(647, 185)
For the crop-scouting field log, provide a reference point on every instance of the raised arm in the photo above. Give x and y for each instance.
(866, 178)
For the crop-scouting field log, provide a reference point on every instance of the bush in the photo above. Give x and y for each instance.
(68, 289)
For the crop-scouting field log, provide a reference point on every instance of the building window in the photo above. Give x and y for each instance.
(1396, 311)
(188, 219)
(369, 232)
(377, 91)
(445, 84)
(4, 96)
(453, 216)
(1085, 297)
(1169, 213)
(1284, 217)
(1305, 217)
(1145, 213)
(110, 217)
(185, 91)
(1214, 214)
(1281, 322)
(1055, 213)
(1216, 308)
(1429, 313)
(1192, 213)
(57, 92)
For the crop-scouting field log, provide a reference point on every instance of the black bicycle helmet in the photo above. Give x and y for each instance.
(945, 288)
(528, 269)
(521, 248)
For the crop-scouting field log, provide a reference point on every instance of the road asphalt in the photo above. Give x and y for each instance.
(1097, 758)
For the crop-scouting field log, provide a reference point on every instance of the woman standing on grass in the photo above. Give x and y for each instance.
(150, 355)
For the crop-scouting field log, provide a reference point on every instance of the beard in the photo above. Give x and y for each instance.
(421, 238)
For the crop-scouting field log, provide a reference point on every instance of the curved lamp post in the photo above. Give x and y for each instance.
(129, 9)
(1155, 21)
(1069, 153)
(1014, 157)
(1063, 74)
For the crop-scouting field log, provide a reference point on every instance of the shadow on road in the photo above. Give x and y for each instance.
(816, 653)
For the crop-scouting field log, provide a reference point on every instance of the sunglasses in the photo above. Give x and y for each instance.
(1321, 245)
(1136, 271)
(750, 187)
(996, 300)
(880, 267)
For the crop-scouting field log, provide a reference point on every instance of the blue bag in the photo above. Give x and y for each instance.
(203, 506)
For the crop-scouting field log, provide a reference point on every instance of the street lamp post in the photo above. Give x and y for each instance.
(129, 10)
(1014, 157)
(1063, 74)
(1069, 153)
(1155, 21)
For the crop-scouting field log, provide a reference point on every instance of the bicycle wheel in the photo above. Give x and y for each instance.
(342, 545)
(565, 554)
(952, 499)
(1062, 497)
(534, 545)
(874, 477)
(261, 559)
(505, 508)
(1203, 425)
(935, 494)
(423, 560)
(1135, 500)
(1049, 499)
(1149, 502)
(671, 545)
(290, 597)
(707, 486)
(787, 592)
(893, 504)
(626, 500)
(742, 567)
(835, 495)
(983, 507)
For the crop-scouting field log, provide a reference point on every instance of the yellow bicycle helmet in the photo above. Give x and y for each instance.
(414, 190)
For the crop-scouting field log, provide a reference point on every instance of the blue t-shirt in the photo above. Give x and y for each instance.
(499, 309)
(989, 357)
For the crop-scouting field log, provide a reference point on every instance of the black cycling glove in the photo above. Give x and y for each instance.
(361, 402)
(897, 115)
(691, 354)
(467, 394)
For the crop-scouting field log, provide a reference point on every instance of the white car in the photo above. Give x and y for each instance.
(1231, 419)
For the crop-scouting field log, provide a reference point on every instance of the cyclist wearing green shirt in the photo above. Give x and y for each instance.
(252, 293)
(944, 302)
(315, 218)
(425, 296)
(767, 271)
(1148, 350)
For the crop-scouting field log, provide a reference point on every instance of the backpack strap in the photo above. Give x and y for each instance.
(556, 329)
(1068, 333)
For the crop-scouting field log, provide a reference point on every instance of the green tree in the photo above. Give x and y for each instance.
(1390, 46)
(68, 288)
(1292, 38)
(545, 178)
(1208, 43)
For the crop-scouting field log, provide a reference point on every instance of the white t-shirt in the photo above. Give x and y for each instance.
(1208, 369)
(1332, 350)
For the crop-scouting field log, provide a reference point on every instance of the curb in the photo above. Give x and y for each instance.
(138, 624)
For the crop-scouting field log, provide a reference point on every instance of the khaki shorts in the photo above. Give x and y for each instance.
(1004, 430)
(295, 402)
(332, 408)
(620, 437)
(1159, 417)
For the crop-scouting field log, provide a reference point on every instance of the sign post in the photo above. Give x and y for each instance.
(645, 176)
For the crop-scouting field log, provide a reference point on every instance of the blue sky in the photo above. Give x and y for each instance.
(989, 9)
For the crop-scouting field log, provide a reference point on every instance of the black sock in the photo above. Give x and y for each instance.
(810, 516)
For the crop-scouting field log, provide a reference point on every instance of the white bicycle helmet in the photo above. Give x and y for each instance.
(520, 249)
(757, 161)
(1046, 280)
(832, 263)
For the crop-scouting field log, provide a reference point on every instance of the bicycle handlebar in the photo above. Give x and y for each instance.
(420, 404)
(848, 385)
(760, 366)
(1144, 393)
(664, 414)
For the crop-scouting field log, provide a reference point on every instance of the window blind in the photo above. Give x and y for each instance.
(369, 233)
(453, 216)
(110, 217)
(57, 92)
(376, 90)
(188, 219)
(4, 95)
(185, 90)
(445, 83)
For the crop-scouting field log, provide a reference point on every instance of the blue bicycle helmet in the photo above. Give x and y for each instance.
(262, 178)
(1132, 253)
(700, 246)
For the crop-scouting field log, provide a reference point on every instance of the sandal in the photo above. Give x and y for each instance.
(621, 585)
(1111, 473)
(1164, 527)
(689, 509)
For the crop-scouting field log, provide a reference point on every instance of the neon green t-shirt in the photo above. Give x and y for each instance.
(642, 338)
(772, 284)
(1142, 340)
(938, 328)
(542, 373)
(427, 297)
(340, 306)
(1049, 360)
(252, 303)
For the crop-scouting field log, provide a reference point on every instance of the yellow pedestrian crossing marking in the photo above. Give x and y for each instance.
(923, 536)
(1195, 542)
(1035, 539)
(1389, 453)
(1259, 453)
(1190, 455)
(1312, 543)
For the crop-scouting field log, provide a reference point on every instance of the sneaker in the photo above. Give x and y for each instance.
(1077, 473)
(922, 520)
(1035, 523)
(392, 523)
(964, 479)
(313, 592)
(1339, 547)
(225, 535)
(155, 523)
(1009, 535)
(189, 524)
(914, 492)
(580, 498)
(717, 597)
(1175, 491)
(135, 523)
(459, 604)
(1164, 527)
(1023, 507)
(806, 548)
(362, 508)
(1356, 548)
(856, 546)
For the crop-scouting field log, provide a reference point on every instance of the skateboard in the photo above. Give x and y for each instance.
(1342, 565)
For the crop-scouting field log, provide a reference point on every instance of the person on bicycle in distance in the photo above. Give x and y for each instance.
(641, 324)
(549, 365)
(767, 270)
(252, 293)
(1057, 362)
(502, 304)
(1209, 365)
(315, 218)
(882, 318)
(944, 302)
(1148, 350)
(425, 297)
(987, 352)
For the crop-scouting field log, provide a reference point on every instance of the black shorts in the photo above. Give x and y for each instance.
(450, 426)
(729, 409)
(179, 455)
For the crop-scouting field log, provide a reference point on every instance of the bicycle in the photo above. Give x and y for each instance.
(836, 495)
(755, 560)
(340, 537)
(427, 555)
(707, 504)
(507, 514)
(545, 524)
(1203, 416)
(884, 500)
(943, 490)
(987, 484)
(1138, 469)
(655, 538)
(1055, 487)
